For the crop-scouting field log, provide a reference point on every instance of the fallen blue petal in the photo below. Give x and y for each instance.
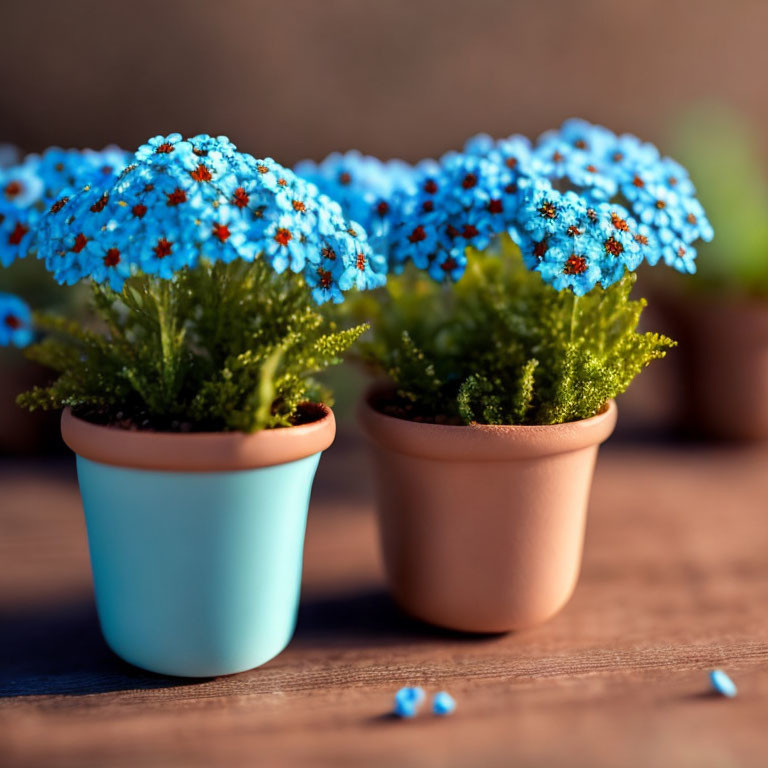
(443, 703)
(408, 700)
(722, 683)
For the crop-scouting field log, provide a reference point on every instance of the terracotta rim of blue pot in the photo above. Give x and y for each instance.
(198, 451)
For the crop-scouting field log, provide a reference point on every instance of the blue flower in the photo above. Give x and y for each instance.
(158, 146)
(448, 265)
(572, 268)
(679, 255)
(15, 322)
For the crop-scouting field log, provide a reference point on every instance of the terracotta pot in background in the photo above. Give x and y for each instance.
(724, 355)
(482, 527)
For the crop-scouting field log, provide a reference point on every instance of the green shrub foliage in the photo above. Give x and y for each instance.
(221, 347)
(502, 347)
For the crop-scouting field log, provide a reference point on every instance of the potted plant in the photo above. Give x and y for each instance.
(721, 315)
(190, 401)
(502, 365)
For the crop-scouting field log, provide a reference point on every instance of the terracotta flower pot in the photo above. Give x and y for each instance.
(724, 346)
(196, 540)
(482, 526)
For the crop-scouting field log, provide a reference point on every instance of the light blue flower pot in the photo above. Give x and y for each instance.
(196, 573)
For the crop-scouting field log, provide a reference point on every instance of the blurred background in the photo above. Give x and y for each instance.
(407, 78)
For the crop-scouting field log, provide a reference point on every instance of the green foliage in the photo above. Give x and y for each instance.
(502, 347)
(222, 347)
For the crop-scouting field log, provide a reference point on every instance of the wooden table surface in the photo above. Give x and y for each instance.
(675, 582)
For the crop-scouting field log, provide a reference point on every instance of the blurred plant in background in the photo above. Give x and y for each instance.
(722, 151)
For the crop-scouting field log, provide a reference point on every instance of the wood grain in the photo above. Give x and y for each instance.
(675, 582)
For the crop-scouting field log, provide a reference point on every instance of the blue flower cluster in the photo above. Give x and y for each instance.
(29, 188)
(15, 321)
(366, 188)
(598, 204)
(584, 204)
(180, 201)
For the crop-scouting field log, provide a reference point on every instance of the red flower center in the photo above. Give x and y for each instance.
(618, 157)
(575, 265)
(573, 231)
(557, 157)
(580, 144)
(325, 277)
(592, 168)
(511, 162)
(222, 232)
(13, 189)
(18, 234)
(241, 198)
(449, 264)
(469, 231)
(619, 223)
(470, 180)
(100, 204)
(548, 210)
(540, 249)
(283, 236)
(638, 182)
(642, 239)
(112, 257)
(164, 148)
(430, 186)
(59, 204)
(418, 234)
(328, 253)
(163, 248)
(451, 231)
(176, 197)
(201, 173)
(510, 189)
(80, 243)
(661, 205)
(360, 262)
(495, 206)
(262, 169)
(345, 178)
(382, 208)
(282, 183)
(428, 206)
(613, 246)
(139, 210)
(298, 206)
(12, 322)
